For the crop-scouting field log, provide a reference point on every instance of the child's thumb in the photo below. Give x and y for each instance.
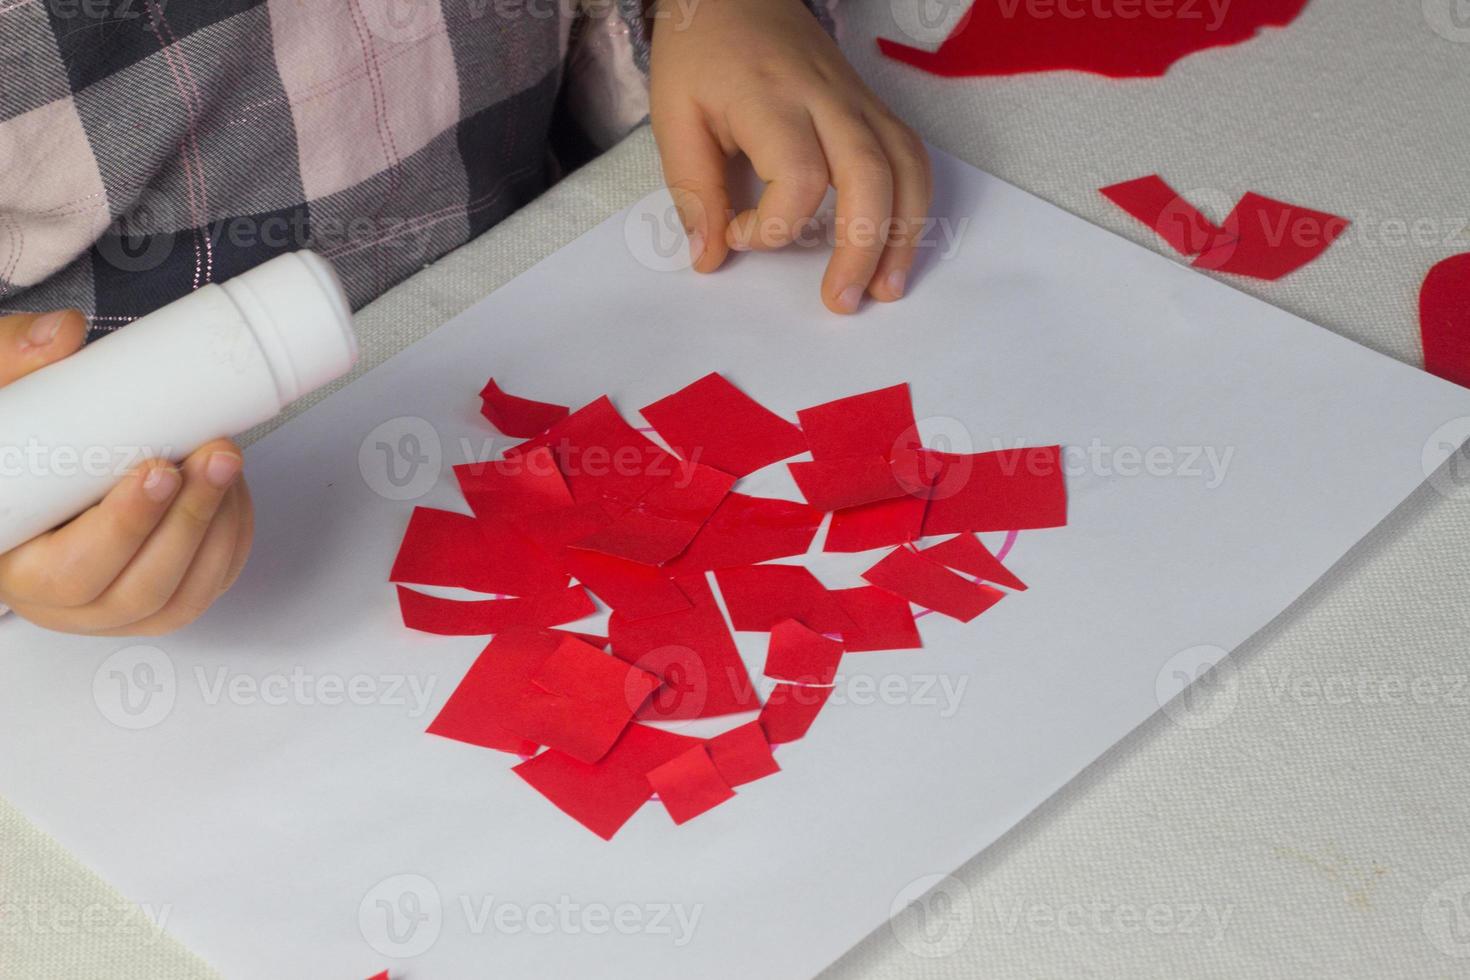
(30, 341)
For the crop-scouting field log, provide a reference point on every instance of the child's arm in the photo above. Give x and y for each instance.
(761, 76)
(151, 557)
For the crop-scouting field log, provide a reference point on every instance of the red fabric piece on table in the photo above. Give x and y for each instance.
(1007, 490)
(458, 617)
(520, 418)
(1444, 320)
(527, 484)
(689, 784)
(742, 754)
(801, 656)
(967, 553)
(635, 591)
(603, 796)
(714, 423)
(661, 525)
(884, 620)
(996, 39)
(444, 548)
(694, 654)
(577, 669)
(494, 681)
(790, 710)
(1267, 239)
(879, 525)
(875, 423)
(932, 586)
(1172, 218)
(746, 530)
(758, 597)
(836, 484)
(601, 456)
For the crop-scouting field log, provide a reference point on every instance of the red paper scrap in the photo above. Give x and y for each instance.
(800, 656)
(742, 754)
(879, 525)
(694, 654)
(877, 423)
(494, 681)
(456, 617)
(603, 796)
(966, 553)
(1008, 38)
(714, 423)
(1267, 239)
(884, 620)
(689, 784)
(584, 730)
(851, 481)
(601, 456)
(634, 591)
(444, 548)
(760, 596)
(1172, 218)
(661, 525)
(1444, 320)
(746, 530)
(1007, 490)
(520, 418)
(932, 585)
(379, 976)
(526, 484)
(576, 669)
(790, 710)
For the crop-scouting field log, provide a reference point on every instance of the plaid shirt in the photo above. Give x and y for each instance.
(152, 146)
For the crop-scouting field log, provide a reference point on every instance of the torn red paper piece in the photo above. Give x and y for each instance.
(758, 597)
(689, 784)
(932, 586)
(491, 685)
(584, 730)
(458, 617)
(884, 621)
(742, 754)
(1444, 320)
(993, 39)
(1007, 490)
(520, 418)
(1171, 217)
(714, 423)
(576, 669)
(1267, 239)
(379, 976)
(604, 795)
(877, 423)
(601, 456)
(694, 654)
(790, 710)
(878, 525)
(800, 656)
(837, 484)
(746, 530)
(634, 591)
(661, 524)
(966, 553)
(444, 548)
(526, 484)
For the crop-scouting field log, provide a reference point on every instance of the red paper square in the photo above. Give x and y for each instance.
(689, 784)
(520, 418)
(800, 656)
(932, 585)
(747, 530)
(851, 481)
(966, 553)
(884, 621)
(790, 710)
(714, 423)
(661, 525)
(457, 550)
(1009, 490)
(579, 670)
(877, 423)
(742, 754)
(758, 597)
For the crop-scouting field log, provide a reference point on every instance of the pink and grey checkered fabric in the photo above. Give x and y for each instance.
(152, 146)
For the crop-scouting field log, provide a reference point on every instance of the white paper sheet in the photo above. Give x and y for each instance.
(228, 778)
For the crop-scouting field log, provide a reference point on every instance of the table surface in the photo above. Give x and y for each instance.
(1309, 817)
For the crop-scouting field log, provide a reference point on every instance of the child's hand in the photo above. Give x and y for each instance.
(151, 557)
(761, 76)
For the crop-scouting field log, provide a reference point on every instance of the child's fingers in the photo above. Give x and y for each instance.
(784, 149)
(73, 565)
(864, 180)
(30, 341)
(913, 193)
(694, 168)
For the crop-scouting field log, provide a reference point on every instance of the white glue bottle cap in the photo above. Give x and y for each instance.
(215, 363)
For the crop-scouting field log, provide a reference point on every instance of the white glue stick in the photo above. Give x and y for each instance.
(216, 363)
